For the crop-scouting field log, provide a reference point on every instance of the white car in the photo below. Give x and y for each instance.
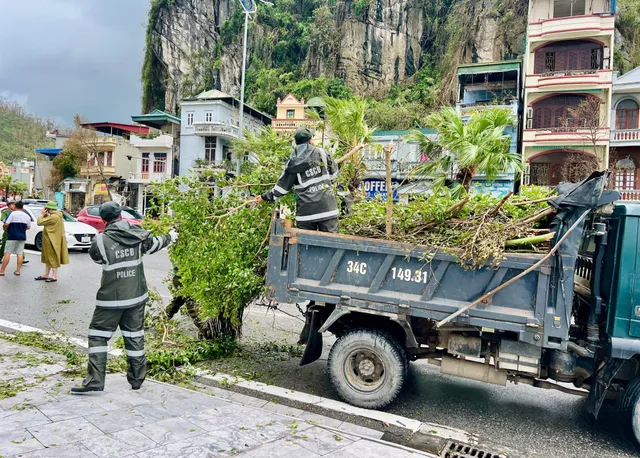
(79, 235)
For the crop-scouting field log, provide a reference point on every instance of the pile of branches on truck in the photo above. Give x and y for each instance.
(478, 230)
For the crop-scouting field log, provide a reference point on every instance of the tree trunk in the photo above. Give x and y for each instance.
(465, 177)
(387, 163)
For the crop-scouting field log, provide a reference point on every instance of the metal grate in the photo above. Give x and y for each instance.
(455, 449)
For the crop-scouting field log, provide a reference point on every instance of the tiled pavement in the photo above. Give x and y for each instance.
(159, 420)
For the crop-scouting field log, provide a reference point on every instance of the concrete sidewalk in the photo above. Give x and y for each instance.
(160, 420)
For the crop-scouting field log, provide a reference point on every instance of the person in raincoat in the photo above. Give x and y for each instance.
(54, 242)
(122, 296)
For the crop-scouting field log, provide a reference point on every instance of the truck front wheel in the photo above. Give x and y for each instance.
(367, 368)
(630, 407)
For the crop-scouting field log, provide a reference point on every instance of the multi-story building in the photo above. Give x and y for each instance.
(157, 158)
(624, 158)
(291, 113)
(492, 85)
(568, 57)
(209, 123)
(110, 155)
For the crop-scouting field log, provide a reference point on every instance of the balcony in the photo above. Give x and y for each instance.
(103, 143)
(569, 79)
(161, 141)
(564, 136)
(467, 109)
(147, 177)
(625, 137)
(571, 27)
(94, 170)
(629, 194)
(216, 129)
(291, 124)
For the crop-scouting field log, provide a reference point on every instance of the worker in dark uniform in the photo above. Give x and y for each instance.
(309, 172)
(122, 296)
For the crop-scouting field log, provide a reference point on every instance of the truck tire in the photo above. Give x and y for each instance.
(630, 407)
(367, 368)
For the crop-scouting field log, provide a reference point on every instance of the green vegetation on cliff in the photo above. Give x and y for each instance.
(20, 132)
(295, 46)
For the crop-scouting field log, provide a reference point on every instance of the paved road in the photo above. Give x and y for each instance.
(539, 423)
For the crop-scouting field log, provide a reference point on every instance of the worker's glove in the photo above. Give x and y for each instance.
(174, 235)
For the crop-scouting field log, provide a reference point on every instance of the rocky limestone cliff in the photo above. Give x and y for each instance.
(370, 44)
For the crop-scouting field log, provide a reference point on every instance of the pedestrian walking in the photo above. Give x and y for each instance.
(54, 242)
(15, 226)
(122, 296)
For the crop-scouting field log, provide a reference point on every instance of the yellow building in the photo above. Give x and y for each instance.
(292, 113)
(568, 59)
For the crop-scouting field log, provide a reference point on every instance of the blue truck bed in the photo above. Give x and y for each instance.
(391, 278)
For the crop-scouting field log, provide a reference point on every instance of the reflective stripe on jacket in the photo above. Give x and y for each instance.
(119, 250)
(309, 172)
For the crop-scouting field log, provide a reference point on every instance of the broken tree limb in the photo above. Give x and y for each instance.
(455, 209)
(529, 202)
(530, 240)
(486, 296)
(387, 164)
(349, 154)
(497, 208)
(538, 216)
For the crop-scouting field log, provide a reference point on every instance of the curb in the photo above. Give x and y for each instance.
(427, 437)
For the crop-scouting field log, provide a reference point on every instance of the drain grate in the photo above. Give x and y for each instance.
(455, 449)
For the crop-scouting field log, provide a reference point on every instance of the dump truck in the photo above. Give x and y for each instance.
(567, 320)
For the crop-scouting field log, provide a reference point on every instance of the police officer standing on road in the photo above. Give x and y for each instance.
(309, 172)
(122, 296)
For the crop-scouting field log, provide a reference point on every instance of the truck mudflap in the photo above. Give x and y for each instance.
(313, 350)
(602, 379)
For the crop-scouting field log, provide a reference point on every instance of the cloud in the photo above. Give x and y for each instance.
(74, 56)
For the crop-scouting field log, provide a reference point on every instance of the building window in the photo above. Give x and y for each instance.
(189, 119)
(145, 163)
(550, 62)
(625, 174)
(210, 148)
(159, 162)
(291, 114)
(566, 8)
(208, 116)
(226, 153)
(574, 55)
(627, 115)
(539, 174)
(109, 159)
(555, 112)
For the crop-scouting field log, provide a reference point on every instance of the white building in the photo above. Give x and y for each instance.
(158, 153)
(209, 123)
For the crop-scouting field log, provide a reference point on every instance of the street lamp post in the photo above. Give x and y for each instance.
(249, 7)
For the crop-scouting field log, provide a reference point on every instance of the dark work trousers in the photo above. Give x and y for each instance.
(103, 324)
(329, 225)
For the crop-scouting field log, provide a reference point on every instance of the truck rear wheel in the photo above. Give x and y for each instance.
(367, 368)
(630, 407)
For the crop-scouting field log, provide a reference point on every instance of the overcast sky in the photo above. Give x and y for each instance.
(62, 57)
